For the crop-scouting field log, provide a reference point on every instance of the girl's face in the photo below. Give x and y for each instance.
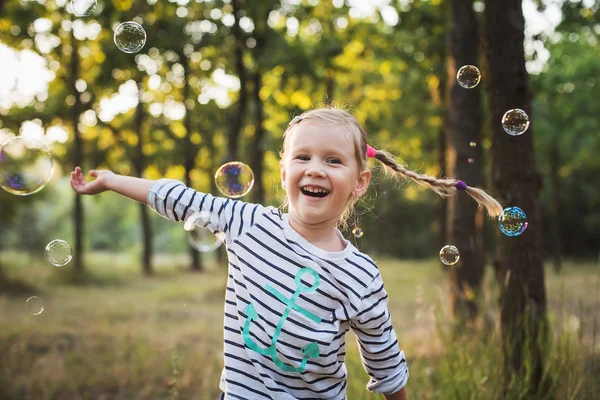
(320, 173)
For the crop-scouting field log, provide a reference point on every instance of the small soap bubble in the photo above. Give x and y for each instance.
(130, 37)
(468, 76)
(25, 166)
(59, 252)
(473, 144)
(199, 235)
(471, 160)
(35, 305)
(512, 221)
(515, 122)
(234, 179)
(449, 254)
(357, 232)
(83, 8)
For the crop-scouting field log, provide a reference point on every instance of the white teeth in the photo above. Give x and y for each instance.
(314, 190)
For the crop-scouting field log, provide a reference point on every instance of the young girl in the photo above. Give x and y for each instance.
(295, 285)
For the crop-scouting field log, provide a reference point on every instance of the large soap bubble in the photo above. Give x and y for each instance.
(199, 235)
(515, 122)
(512, 221)
(449, 255)
(130, 37)
(59, 252)
(25, 166)
(35, 305)
(234, 179)
(83, 8)
(468, 76)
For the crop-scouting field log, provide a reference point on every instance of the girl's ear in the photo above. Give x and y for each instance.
(362, 184)
(282, 173)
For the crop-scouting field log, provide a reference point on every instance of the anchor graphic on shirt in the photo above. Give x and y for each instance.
(310, 350)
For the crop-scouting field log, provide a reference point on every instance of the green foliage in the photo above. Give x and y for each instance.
(565, 111)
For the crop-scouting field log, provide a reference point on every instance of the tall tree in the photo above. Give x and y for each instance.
(191, 150)
(516, 183)
(261, 51)
(258, 151)
(463, 127)
(78, 212)
(139, 164)
(236, 121)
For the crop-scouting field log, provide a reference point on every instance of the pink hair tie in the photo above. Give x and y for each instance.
(371, 152)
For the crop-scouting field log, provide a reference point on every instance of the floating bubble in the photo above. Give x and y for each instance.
(473, 144)
(234, 179)
(199, 235)
(25, 166)
(357, 232)
(468, 76)
(449, 254)
(515, 122)
(130, 37)
(471, 160)
(512, 221)
(83, 8)
(59, 252)
(35, 305)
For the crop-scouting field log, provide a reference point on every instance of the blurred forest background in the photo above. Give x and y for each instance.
(219, 81)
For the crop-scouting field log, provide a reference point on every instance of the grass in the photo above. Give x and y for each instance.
(119, 335)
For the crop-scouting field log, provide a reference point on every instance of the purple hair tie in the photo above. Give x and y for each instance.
(460, 185)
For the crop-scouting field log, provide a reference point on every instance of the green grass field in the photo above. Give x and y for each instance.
(119, 335)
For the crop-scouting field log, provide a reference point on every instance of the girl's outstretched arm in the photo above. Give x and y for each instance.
(128, 186)
(399, 395)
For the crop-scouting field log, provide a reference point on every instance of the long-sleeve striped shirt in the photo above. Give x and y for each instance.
(289, 304)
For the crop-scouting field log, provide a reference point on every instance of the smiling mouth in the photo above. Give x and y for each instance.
(314, 191)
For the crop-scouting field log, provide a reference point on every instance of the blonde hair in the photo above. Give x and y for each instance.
(444, 187)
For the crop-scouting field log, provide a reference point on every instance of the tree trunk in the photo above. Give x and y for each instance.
(139, 165)
(78, 216)
(329, 89)
(221, 253)
(555, 189)
(463, 162)
(190, 151)
(237, 118)
(258, 152)
(443, 204)
(516, 183)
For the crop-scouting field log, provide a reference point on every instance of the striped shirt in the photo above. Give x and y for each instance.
(289, 304)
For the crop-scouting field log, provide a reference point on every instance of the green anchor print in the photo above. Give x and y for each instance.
(310, 350)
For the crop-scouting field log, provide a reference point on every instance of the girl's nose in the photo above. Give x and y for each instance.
(315, 169)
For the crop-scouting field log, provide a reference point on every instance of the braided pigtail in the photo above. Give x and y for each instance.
(443, 187)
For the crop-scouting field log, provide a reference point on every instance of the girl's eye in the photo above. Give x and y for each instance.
(303, 158)
(334, 161)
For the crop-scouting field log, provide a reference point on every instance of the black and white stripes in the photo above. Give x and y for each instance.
(270, 315)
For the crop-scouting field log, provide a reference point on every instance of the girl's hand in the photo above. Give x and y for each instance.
(99, 185)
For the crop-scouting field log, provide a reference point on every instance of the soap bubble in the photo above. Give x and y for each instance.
(25, 166)
(59, 252)
(83, 8)
(35, 305)
(234, 179)
(130, 37)
(357, 232)
(468, 76)
(199, 236)
(471, 160)
(512, 221)
(449, 254)
(473, 144)
(515, 122)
